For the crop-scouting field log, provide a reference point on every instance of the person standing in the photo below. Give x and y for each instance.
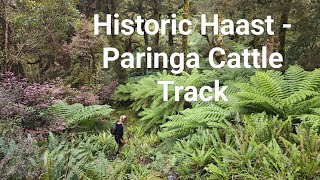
(118, 133)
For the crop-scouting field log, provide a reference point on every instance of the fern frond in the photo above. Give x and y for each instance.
(76, 113)
(268, 84)
(191, 119)
(293, 93)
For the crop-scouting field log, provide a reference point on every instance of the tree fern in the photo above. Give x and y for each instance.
(147, 96)
(200, 115)
(294, 93)
(312, 120)
(76, 113)
(123, 92)
(191, 119)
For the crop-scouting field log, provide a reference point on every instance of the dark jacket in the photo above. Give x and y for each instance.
(119, 130)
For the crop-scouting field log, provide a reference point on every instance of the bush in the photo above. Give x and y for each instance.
(83, 96)
(41, 95)
(18, 156)
(107, 91)
(25, 105)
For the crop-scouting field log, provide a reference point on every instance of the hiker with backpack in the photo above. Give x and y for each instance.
(117, 131)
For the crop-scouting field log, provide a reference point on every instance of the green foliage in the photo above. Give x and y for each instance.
(18, 156)
(189, 120)
(40, 29)
(84, 51)
(193, 154)
(100, 168)
(269, 129)
(82, 157)
(263, 147)
(291, 94)
(312, 120)
(77, 113)
(147, 96)
(207, 114)
(87, 157)
(305, 33)
(123, 92)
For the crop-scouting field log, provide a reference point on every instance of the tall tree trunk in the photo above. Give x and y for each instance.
(112, 11)
(170, 35)
(186, 6)
(6, 37)
(157, 17)
(282, 31)
(145, 36)
(146, 45)
(121, 73)
(217, 40)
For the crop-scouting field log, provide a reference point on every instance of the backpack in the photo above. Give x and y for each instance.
(113, 130)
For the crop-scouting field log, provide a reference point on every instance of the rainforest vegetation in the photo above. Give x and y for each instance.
(58, 103)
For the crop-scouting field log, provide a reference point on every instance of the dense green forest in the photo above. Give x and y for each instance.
(58, 103)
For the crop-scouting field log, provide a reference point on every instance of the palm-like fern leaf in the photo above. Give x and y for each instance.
(76, 113)
(294, 93)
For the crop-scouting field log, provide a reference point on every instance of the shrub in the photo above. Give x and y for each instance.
(11, 93)
(25, 105)
(83, 96)
(107, 91)
(18, 156)
(41, 95)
